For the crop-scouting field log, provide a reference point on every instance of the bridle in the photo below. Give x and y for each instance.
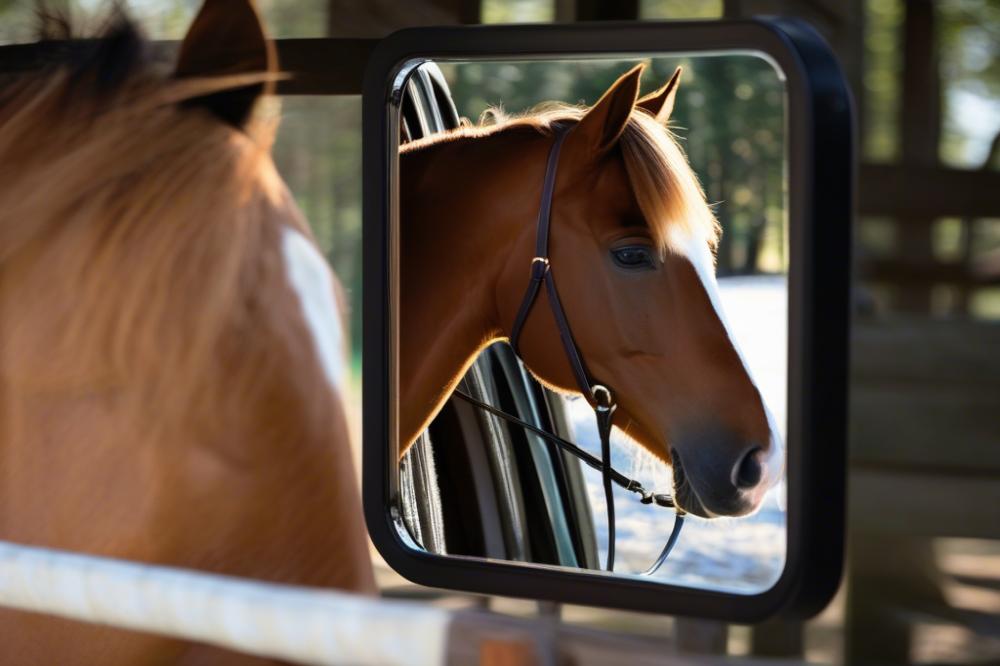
(598, 395)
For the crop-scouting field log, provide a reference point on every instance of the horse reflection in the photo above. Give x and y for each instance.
(631, 251)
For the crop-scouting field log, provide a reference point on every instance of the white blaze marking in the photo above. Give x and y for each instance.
(697, 251)
(312, 281)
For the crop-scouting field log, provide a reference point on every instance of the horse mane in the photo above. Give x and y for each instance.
(667, 190)
(158, 223)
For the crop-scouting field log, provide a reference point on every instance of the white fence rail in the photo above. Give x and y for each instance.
(296, 624)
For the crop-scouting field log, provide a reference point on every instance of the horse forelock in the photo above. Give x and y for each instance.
(142, 241)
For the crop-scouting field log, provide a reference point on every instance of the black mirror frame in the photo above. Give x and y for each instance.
(821, 177)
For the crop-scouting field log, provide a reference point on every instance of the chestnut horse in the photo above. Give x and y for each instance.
(631, 250)
(171, 355)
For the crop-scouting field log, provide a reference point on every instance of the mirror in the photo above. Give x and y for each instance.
(670, 169)
(623, 243)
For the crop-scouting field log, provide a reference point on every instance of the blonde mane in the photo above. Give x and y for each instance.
(667, 190)
(163, 397)
(140, 239)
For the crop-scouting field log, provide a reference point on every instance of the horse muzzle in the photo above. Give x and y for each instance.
(716, 473)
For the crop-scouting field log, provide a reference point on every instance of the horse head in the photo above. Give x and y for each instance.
(631, 252)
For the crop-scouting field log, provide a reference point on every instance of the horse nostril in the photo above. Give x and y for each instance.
(748, 470)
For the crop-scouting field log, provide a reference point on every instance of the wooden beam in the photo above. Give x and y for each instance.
(317, 66)
(324, 66)
(893, 271)
(927, 191)
(928, 504)
(924, 398)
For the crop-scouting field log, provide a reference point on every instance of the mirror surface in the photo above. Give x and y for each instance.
(696, 367)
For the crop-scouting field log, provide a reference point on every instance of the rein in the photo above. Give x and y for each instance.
(597, 395)
(645, 496)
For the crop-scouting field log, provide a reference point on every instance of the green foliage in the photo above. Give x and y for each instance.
(162, 19)
(968, 48)
(680, 9)
(295, 18)
(882, 78)
(17, 21)
(535, 11)
(968, 33)
(318, 153)
(517, 11)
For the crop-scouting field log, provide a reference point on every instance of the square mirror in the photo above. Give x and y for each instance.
(595, 276)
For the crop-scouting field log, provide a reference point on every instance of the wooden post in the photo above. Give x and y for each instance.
(565, 11)
(920, 124)
(889, 572)
(700, 636)
(607, 10)
(777, 638)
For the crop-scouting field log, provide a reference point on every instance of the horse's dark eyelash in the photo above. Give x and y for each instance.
(649, 258)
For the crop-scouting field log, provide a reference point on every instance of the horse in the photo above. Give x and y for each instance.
(631, 252)
(171, 340)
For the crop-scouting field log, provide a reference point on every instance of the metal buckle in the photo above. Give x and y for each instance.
(602, 397)
(539, 267)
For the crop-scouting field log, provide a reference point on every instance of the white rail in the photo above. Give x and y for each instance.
(296, 624)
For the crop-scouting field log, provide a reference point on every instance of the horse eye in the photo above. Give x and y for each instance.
(633, 257)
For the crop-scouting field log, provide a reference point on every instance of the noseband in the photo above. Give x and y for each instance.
(598, 395)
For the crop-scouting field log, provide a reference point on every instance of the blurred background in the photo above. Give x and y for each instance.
(922, 583)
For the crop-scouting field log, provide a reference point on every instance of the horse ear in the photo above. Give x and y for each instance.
(227, 38)
(604, 122)
(661, 103)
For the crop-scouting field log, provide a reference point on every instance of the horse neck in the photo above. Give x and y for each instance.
(467, 211)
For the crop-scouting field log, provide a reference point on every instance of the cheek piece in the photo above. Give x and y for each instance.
(598, 395)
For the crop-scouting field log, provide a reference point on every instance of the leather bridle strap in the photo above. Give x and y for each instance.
(632, 485)
(541, 271)
(599, 396)
(624, 482)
